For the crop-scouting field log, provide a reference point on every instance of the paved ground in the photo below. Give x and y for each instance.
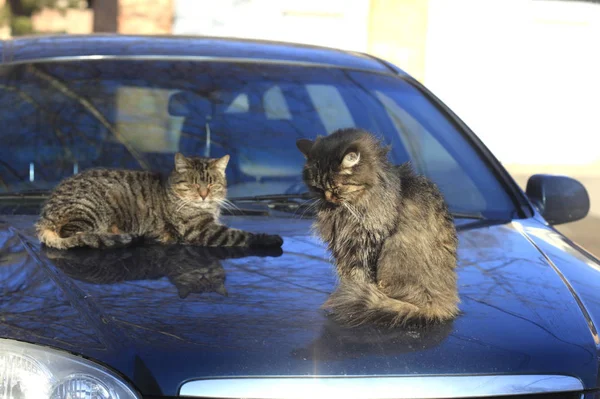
(584, 232)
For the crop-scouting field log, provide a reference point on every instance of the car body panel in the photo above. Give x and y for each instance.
(74, 46)
(529, 299)
(577, 267)
(517, 314)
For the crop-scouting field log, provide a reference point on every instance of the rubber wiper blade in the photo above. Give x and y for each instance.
(468, 215)
(244, 212)
(273, 197)
(290, 198)
(26, 194)
(300, 204)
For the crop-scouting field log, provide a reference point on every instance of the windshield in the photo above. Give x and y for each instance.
(60, 118)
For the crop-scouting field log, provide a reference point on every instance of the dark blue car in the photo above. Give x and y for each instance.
(167, 321)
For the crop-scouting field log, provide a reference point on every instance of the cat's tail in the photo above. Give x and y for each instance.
(355, 304)
(94, 240)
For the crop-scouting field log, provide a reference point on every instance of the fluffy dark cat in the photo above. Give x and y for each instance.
(389, 230)
(103, 208)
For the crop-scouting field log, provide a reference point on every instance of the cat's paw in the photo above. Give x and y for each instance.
(263, 252)
(266, 241)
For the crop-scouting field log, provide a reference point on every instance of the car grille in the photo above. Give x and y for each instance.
(560, 395)
(569, 395)
(389, 387)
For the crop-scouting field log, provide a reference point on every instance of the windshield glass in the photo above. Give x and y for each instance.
(60, 118)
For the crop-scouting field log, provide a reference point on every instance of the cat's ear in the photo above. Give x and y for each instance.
(304, 145)
(221, 163)
(181, 162)
(350, 159)
(385, 150)
(221, 290)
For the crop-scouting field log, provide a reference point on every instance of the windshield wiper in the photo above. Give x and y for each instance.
(467, 215)
(26, 194)
(295, 203)
(244, 212)
(274, 197)
(291, 200)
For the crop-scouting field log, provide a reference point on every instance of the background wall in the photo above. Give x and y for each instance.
(335, 23)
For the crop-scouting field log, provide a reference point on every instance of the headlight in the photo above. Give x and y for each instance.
(35, 372)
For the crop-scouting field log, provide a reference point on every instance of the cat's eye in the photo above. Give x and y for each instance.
(350, 159)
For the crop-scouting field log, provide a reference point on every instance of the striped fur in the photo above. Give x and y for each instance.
(389, 231)
(103, 208)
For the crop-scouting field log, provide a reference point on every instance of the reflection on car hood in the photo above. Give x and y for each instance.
(164, 315)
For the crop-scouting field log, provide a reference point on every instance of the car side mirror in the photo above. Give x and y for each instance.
(559, 199)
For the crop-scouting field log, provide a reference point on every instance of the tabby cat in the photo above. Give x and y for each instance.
(390, 232)
(104, 208)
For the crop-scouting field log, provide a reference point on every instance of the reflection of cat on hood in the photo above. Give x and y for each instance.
(190, 269)
(192, 275)
(337, 342)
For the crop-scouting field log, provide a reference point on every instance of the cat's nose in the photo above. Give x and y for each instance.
(329, 196)
(203, 193)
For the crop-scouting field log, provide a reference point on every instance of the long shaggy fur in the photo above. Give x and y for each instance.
(102, 208)
(389, 231)
(355, 304)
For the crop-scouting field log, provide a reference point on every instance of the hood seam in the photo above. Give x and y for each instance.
(582, 308)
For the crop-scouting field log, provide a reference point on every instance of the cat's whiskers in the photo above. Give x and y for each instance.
(352, 210)
(310, 207)
(314, 205)
(306, 209)
(226, 207)
(227, 204)
(183, 203)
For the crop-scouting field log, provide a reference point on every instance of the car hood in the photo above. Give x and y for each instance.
(164, 315)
